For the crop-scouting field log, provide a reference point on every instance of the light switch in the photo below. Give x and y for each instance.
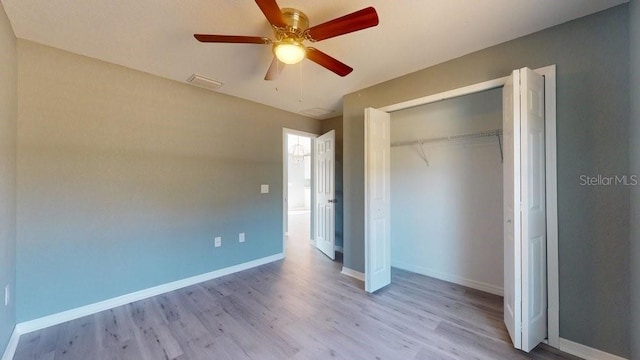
(264, 189)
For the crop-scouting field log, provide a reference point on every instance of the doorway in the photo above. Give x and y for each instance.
(309, 189)
(298, 186)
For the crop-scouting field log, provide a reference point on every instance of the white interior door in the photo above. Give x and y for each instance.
(377, 205)
(324, 184)
(525, 301)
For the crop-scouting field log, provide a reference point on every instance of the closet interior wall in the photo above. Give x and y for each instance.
(446, 196)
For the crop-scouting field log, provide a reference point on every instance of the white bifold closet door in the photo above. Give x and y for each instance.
(377, 258)
(525, 252)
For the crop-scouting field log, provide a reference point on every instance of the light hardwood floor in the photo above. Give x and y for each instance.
(298, 308)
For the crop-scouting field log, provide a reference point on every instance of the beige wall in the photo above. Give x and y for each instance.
(124, 180)
(8, 114)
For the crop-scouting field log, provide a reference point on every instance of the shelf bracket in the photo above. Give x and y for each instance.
(424, 155)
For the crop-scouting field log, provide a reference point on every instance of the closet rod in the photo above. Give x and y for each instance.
(496, 132)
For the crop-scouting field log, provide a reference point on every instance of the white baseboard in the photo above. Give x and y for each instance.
(338, 248)
(492, 289)
(61, 317)
(585, 352)
(352, 273)
(10, 350)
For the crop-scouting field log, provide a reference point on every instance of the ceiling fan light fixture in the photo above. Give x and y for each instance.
(289, 51)
(291, 28)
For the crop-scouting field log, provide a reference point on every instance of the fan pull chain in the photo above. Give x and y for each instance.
(300, 98)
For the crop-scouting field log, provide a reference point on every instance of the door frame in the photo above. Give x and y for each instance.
(285, 185)
(549, 72)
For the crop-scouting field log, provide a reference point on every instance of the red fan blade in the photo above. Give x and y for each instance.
(272, 12)
(232, 39)
(274, 69)
(328, 62)
(358, 20)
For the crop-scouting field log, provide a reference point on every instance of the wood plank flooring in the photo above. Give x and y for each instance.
(298, 308)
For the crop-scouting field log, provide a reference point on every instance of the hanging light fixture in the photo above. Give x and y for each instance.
(297, 152)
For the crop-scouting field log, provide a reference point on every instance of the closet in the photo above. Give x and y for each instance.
(444, 224)
(446, 190)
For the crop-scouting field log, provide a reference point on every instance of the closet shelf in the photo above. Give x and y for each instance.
(490, 133)
(480, 134)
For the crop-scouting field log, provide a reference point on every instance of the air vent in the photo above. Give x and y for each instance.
(316, 112)
(203, 82)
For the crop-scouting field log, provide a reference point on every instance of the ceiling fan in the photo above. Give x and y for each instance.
(291, 29)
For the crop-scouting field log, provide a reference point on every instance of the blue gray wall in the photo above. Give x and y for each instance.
(592, 58)
(634, 21)
(8, 116)
(125, 178)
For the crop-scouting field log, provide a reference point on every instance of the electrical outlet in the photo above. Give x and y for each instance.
(6, 295)
(264, 189)
(218, 241)
(241, 237)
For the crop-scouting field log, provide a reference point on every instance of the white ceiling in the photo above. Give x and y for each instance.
(156, 36)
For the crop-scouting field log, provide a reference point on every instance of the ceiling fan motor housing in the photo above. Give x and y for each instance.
(297, 22)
